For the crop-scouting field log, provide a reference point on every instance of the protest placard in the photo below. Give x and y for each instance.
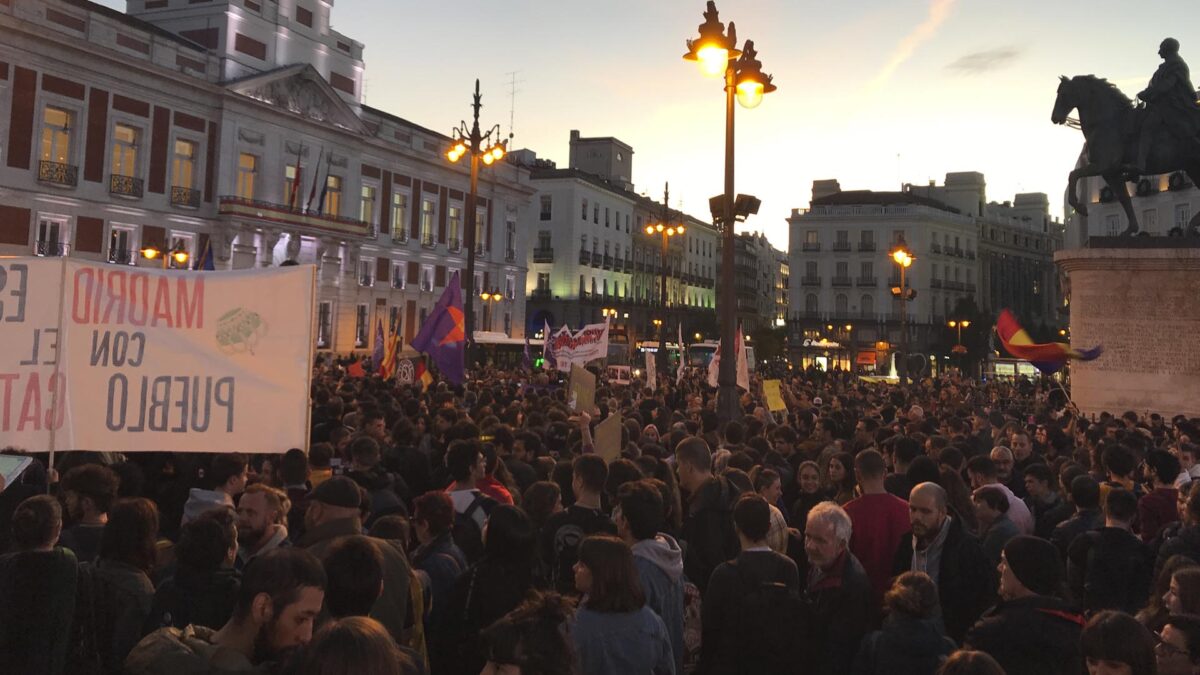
(103, 357)
(581, 390)
(608, 438)
(773, 395)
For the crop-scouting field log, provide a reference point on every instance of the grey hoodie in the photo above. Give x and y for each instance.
(200, 501)
(659, 563)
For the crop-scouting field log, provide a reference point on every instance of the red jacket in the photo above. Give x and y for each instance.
(1156, 510)
(879, 522)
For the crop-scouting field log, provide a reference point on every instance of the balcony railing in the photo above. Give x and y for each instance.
(810, 246)
(540, 294)
(608, 261)
(123, 256)
(955, 286)
(867, 281)
(866, 246)
(400, 236)
(510, 255)
(277, 214)
(543, 255)
(841, 246)
(58, 173)
(454, 245)
(956, 251)
(840, 281)
(125, 186)
(935, 248)
(51, 249)
(585, 257)
(970, 255)
(366, 280)
(480, 248)
(597, 259)
(185, 197)
(810, 281)
(427, 240)
(935, 283)
(970, 288)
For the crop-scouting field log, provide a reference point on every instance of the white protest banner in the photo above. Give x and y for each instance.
(588, 344)
(106, 357)
(651, 370)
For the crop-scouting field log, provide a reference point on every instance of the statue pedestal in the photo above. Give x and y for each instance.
(1140, 299)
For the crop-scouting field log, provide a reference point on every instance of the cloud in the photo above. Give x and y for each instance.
(978, 63)
(939, 11)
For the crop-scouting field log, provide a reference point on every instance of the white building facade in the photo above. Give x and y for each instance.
(118, 134)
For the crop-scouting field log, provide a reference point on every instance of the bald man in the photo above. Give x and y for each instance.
(939, 546)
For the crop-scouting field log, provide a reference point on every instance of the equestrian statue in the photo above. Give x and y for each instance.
(1124, 141)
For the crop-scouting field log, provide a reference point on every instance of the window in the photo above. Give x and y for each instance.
(399, 272)
(1112, 224)
(394, 321)
(543, 281)
(897, 235)
(1183, 215)
(626, 223)
(52, 236)
(842, 237)
(122, 248)
(543, 240)
(933, 271)
(247, 167)
(595, 214)
(606, 216)
(508, 324)
(810, 304)
(867, 270)
(427, 218)
(1150, 220)
(399, 216)
(481, 242)
(361, 325)
(547, 210)
(810, 268)
(366, 209)
(583, 212)
(426, 278)
(366, 272)
(124, 152)
(867, 306)
(454, 226)
(510, 287)
(332, 198)
(56, 135)
(324, 324)
(510, 239)
(183, 168)
(843, 269)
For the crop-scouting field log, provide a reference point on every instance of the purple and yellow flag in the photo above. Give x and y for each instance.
(1047, 357)
(443, 335)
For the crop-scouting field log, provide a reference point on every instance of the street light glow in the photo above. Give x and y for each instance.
(712, 59)
(151, 252)
(750, 93)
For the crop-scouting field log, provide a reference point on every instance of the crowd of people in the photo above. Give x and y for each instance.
(948, 526)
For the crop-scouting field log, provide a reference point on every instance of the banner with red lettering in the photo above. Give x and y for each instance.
(130, 359)
(587, 344)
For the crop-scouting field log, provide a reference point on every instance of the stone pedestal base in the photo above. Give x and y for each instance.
(1141, 302)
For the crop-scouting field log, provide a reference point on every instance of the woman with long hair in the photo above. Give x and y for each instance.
(958, 498)
(1115, 643)
(488, 590)
(839, 478)
(615, 632)
(1183, 592)
(542, 500)
(912, 640)
(1154, 614)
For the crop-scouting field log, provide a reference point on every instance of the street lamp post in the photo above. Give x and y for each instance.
(488, 149)
(903, 258)
(492, 296)
(717, 54)
(960, 325)
(178, 254)
(667, 231)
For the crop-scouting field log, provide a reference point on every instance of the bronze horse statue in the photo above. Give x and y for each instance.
(1110, 124)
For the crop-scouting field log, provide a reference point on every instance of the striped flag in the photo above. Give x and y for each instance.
(1047, 357)
(391, 353)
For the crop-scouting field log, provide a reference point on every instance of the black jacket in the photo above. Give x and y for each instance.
(37, 603)
(1066, 531)
(1110, 568)
(723, 642)
(485, 592)
(966, 578)
(387, 492)
(1037, 635)
(843, 611)
(708, 530)
(189, 597)
(905, 646)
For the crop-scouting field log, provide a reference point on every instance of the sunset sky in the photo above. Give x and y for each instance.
(871, 92)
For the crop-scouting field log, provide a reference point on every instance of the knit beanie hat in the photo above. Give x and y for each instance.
(1035, 563)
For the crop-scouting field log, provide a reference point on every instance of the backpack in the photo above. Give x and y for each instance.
(467, 533)
(1116, 579)
(773, 620)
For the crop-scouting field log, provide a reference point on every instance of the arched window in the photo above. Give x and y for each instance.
(810, 304)
(841, 305)
(868, 306)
